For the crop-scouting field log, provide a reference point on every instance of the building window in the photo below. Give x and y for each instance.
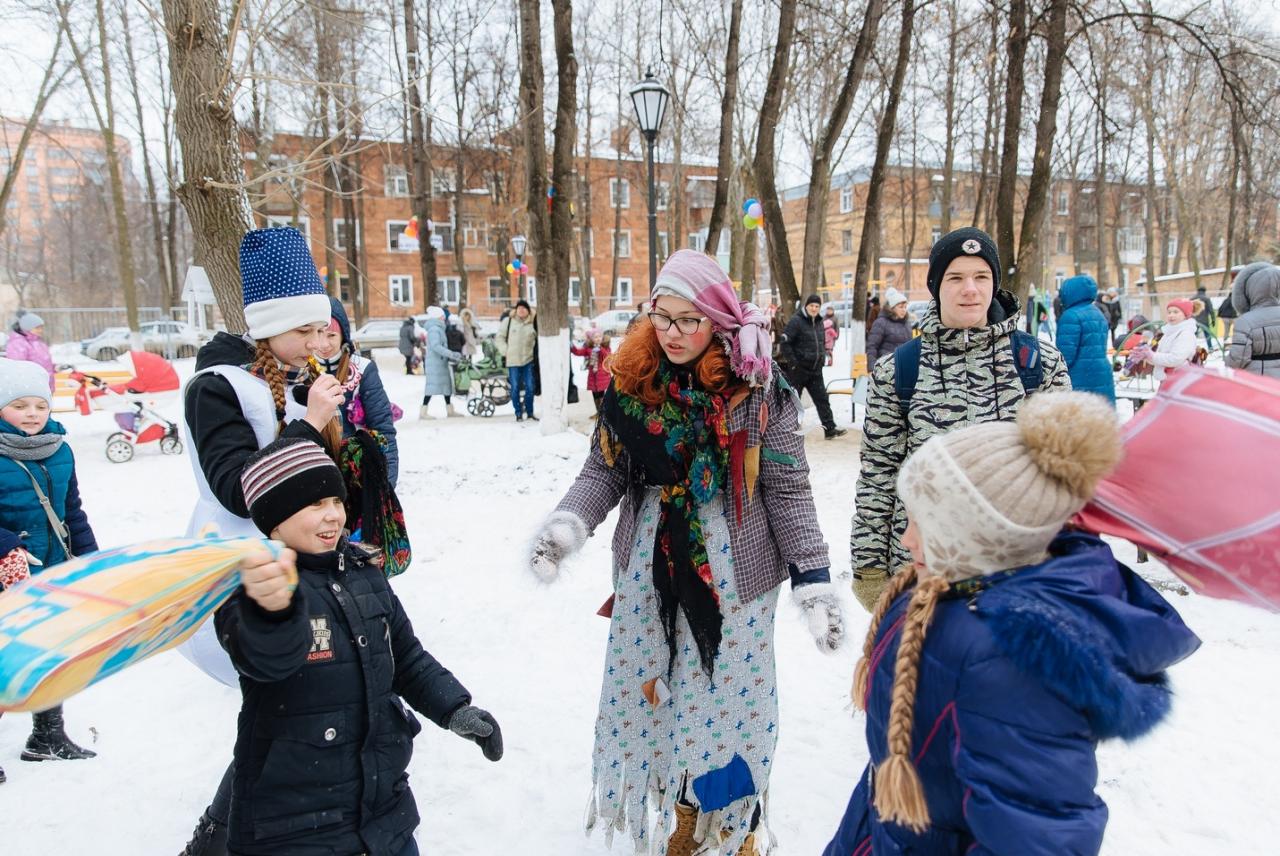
(846, 200)
(575, 291)
(474, 234)
(934, 234)
(450, 289)
(302, 223)
(621, 243)
(619, 193)
(664, 245)
(846, 242)
(623, 292)
(442, 182)
(340, 234)
(1062, 243)
(396, 240)
(697, 240)
(497, 290)
(344, 288)
(846, 278)
(1064, 203)
(397, 182)
(442, 237)
(531, 289)
(1171, 247)
(591, 240)
(1058, 279)
(400, 287)
(662, 195)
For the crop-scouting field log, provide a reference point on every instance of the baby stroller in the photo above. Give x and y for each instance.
(130, 402)
(488, 377)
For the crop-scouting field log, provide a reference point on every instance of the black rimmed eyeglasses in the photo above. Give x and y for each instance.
(687, 326)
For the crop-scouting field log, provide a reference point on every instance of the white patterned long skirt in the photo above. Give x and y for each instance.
(647, 756)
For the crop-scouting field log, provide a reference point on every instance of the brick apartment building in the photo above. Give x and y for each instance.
(475, 227)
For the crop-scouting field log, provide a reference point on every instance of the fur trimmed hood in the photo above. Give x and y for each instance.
(1092, 632)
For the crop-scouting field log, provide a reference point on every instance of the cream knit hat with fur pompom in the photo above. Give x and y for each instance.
(991, 497)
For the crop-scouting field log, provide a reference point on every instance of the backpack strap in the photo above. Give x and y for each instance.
(1026, 357)
(906, 371)
(56, 524)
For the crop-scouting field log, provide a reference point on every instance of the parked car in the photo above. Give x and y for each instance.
(614, 322)
(377, 334)
(170, 339)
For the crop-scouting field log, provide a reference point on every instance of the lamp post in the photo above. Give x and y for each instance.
(518, 244)
(649, 97)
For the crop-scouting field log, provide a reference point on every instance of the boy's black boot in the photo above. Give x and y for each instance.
(49, 740)
(209, 838)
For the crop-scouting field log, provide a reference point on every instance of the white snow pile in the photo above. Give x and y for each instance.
(473, 490)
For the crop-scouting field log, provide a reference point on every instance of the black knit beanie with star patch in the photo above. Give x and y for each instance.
(966, 241)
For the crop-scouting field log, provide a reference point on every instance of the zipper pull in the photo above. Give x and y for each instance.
(342, 562)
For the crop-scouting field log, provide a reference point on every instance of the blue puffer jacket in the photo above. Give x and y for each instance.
(20, 509)
(1017, 684)
(1083, 336)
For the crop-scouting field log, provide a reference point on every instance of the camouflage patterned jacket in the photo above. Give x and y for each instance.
(966, 377)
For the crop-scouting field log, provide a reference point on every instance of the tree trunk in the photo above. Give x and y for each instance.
(617, 215)
(783, 275)
(153, 203)
(868, 245)
(949, 145)
(534, 126)
(1033, 215)
(212, 191)
(1007, 189)
(1100, 182)
(821, 165)
(586, 288)
(724, 157)
(553, 289)
(419, 158)
(990, 131)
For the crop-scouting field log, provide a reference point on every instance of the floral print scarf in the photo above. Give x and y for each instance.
(681, 446)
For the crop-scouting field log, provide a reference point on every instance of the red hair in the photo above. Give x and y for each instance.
(635, 366)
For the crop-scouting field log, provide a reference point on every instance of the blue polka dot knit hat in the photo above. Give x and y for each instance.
(282, 290)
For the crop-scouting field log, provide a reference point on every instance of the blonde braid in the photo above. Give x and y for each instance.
(898, 583)
(899, 793)
(266, 364)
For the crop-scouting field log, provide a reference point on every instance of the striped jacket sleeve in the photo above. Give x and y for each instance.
(1056, 376)
(884, 447)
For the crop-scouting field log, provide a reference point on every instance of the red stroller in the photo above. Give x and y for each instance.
(130, 403)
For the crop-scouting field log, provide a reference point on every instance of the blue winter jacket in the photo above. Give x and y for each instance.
(373, 398)
(21, 512)
(1083, 337)
(1017, 684)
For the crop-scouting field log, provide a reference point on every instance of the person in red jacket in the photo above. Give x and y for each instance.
(596, 349)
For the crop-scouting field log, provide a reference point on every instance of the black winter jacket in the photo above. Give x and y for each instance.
(886, 336)
(222, 435)
(805, 346)
(324, 741)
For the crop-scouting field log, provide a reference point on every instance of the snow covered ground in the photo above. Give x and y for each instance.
(473, 490)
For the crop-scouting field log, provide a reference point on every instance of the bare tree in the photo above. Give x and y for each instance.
(766, 157)
(212, 191)
(724, 157)
(49, 83)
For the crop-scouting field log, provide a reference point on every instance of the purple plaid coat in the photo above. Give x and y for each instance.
(779, 525)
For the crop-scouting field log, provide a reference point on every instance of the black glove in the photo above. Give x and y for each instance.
(480, 727)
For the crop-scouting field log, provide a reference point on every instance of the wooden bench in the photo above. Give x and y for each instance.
(64, 388)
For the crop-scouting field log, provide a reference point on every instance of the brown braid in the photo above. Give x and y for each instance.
(898, 583)
(267, 367)
(899, 793)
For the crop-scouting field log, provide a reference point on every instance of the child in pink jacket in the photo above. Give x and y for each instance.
(597, 352)
(27, 345)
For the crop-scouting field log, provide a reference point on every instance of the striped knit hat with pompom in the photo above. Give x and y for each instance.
(285, 477)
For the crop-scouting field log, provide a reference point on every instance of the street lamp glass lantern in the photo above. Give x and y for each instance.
(649, 97)
(517, 244)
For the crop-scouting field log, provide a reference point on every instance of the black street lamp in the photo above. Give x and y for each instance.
(649, 97)
(518, 244)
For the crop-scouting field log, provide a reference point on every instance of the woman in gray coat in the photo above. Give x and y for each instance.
(1255, 342)
(437, 364)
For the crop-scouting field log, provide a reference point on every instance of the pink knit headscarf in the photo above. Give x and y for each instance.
(699, 279)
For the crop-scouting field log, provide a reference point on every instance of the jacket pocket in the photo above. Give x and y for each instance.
(310, 758)
(293, 824)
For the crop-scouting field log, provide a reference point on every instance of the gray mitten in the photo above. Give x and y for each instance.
(478, 726)
(822, 612)
(560, 536)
